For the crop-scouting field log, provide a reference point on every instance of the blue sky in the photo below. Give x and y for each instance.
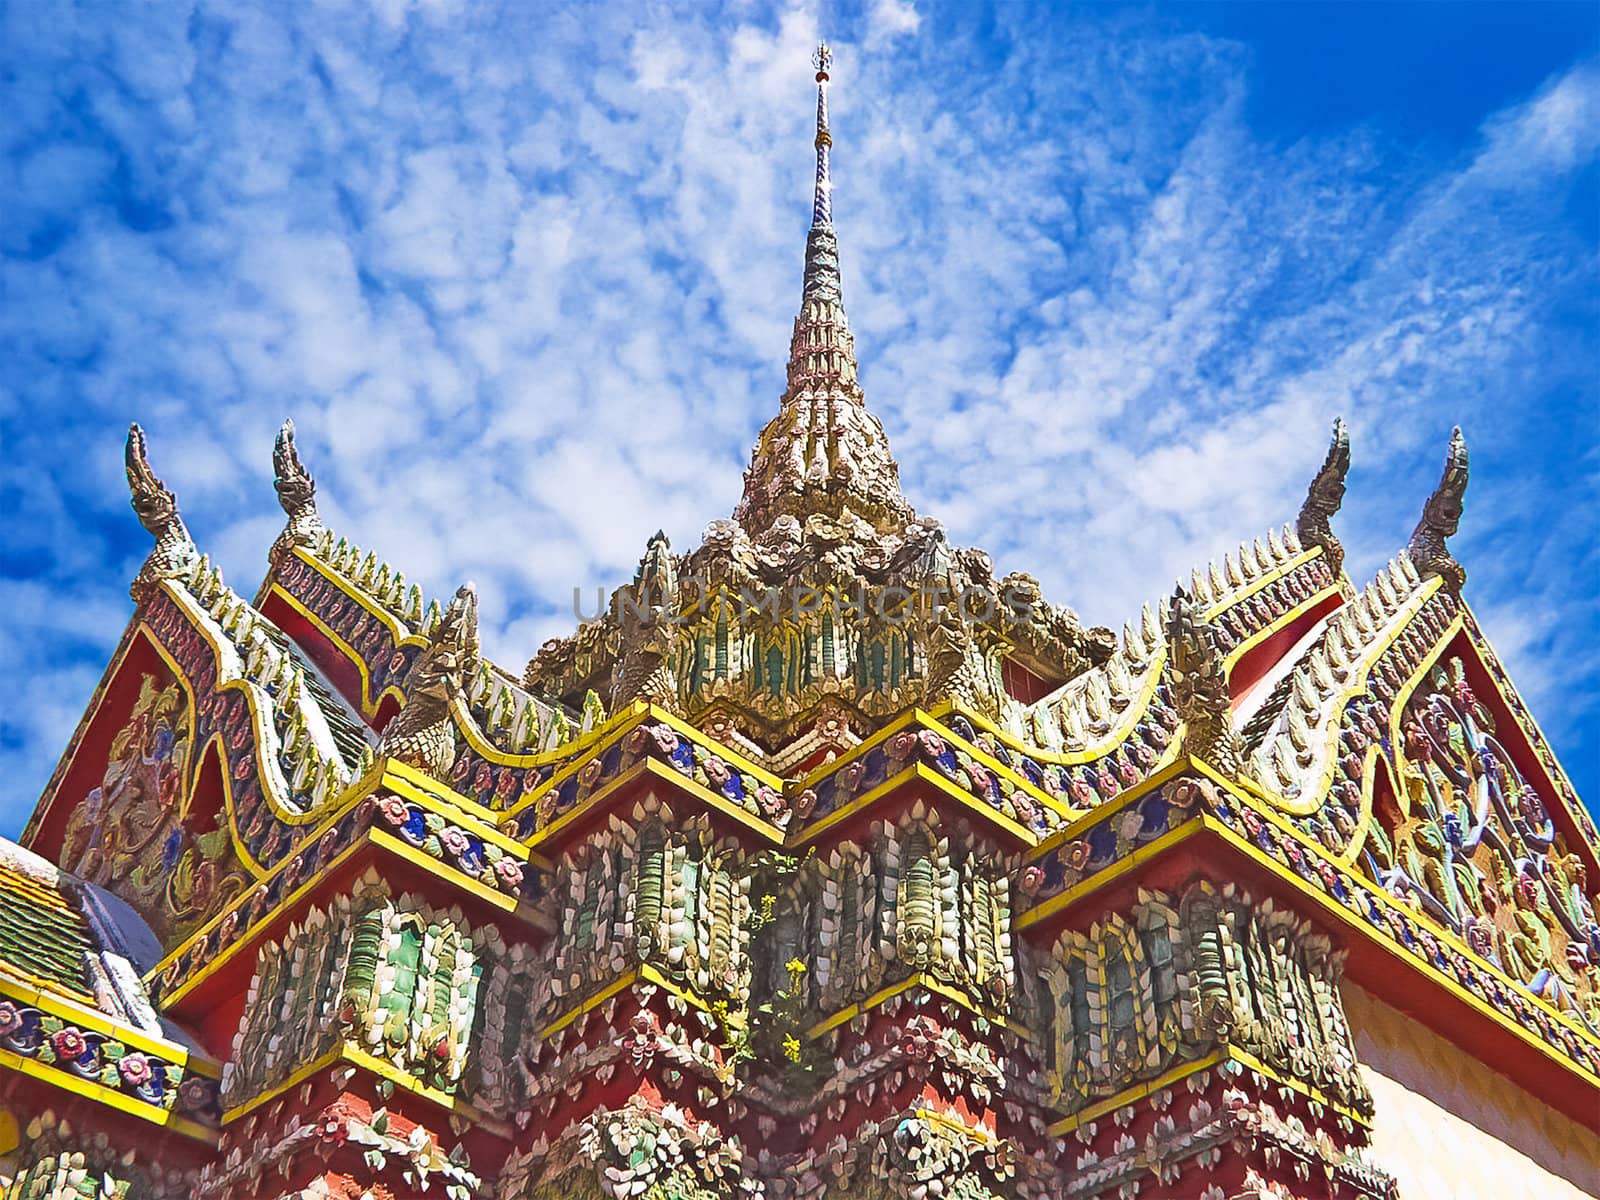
(523, 275)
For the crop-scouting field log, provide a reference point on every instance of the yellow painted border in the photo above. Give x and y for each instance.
(69, 754)
(110, 1097)
(1344, 916)
(1136, 1092)
(360, 790)
(915, 980)
(1216, 1059)
(994, 764)
(642, 974)
(198, 752)
(1093, 883)
(1381, 938)
(1277, 626)
(922, 772)
(660, 771)
(95, 1020)
(1075, 829)
(345, 649)
(1314, 795)
(1526, 721)
(905, 720)
(1234, 599)
(1140, 705)
(354, 1056)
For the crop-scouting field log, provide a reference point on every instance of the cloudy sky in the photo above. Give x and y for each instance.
(524, 274)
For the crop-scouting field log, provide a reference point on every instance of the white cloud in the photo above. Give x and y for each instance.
(890, 19)
(527, 288)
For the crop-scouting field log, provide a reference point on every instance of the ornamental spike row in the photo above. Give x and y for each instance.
(265, 665)
(1346, 639)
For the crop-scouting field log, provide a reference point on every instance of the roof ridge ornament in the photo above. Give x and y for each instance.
(423, 733)
(297, 496)
(1441, 517)
(1324, 497)
(156, 505)
(1200, 690)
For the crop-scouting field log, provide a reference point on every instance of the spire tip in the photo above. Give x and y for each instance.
(822, 59)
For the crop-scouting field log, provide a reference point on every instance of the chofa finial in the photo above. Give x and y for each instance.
(157, 509)
(1441, 517)
(1324, 497)
(297, 494)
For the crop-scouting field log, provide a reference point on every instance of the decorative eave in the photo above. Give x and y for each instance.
(553, 795)
(1189, 805)
(942, 759)
(172, 1087)
(1556, 775)
(393, 814)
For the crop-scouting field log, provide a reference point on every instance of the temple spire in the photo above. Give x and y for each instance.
(822, 248)
(824, 454)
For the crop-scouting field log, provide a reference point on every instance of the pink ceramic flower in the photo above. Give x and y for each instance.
(454, 841)
(1182, 793)
(135, 1069)
(69, 1043)
(979, 778)
(394, 809)
(901, 745)
(590, 774)
(510, 872)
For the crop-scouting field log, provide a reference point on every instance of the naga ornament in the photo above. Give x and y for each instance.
(1200, 688)
(1441, 516)
(423, 734)
(1324, 497)
(647, 617)
(157, 508)
(297, 494)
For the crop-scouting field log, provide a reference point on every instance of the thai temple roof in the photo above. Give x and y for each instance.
(814, 805)
(42, 931)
